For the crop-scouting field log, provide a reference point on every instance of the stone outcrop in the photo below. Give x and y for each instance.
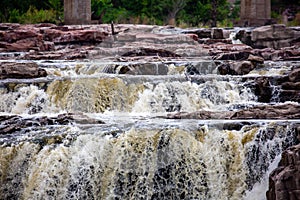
(274, 36)
(150, 52)
(45, 37)
(48, 41)
(290, 86)
(21, 70)
(11, 123)
(239, 68)
(263, 89)
(285, 111)
(284, 181)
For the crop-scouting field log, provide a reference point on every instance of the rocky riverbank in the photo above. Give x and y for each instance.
(47, 41)
(246, 57)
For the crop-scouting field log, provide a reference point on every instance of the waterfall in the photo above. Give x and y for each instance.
(145, 127)
(205, 161)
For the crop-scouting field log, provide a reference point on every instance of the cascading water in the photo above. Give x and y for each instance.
(136, 153)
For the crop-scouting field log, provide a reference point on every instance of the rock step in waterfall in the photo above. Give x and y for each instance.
(149, 113)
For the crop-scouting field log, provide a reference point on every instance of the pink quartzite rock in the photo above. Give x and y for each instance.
(21, 70)
(284, 181)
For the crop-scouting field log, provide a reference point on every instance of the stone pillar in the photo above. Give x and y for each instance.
(255, 12)
(77, 11)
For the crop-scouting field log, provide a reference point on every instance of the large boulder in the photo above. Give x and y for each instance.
(239, 67)
(290, 86)
(274, 36)
(201, 33)
(284, 181)
(217, 33)
(21, 70)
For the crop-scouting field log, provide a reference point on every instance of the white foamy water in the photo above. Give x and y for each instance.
(137, 153)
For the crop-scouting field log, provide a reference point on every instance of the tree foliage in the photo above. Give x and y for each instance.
(31, 11)
(173, 12)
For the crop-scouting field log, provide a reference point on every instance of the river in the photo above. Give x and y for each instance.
(137, 152)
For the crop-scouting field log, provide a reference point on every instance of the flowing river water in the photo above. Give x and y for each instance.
(137, 153)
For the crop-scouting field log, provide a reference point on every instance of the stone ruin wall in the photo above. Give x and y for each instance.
(77, 12)
(255, 12)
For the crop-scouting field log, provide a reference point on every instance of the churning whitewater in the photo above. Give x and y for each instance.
(121, 124)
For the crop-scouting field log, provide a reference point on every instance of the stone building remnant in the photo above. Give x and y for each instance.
(77, 12)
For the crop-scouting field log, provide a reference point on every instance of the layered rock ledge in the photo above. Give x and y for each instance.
(284, 181)
(12, 123)
(284, 111)
(23, 70)
(48, 41)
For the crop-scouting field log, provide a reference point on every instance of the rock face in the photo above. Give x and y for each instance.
(286, 111)
(273, 36)
(21, 70)
(45, 38)
(48, 41)
(8, 123)
(284, 182)
(239, 68)
(290, 86)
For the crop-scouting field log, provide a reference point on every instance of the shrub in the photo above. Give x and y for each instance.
(34, 15)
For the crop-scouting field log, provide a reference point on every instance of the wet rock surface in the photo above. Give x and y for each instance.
(42, 38)
(11, 123)
(21, 70)
(285, 111)
(284, 181)
(290, 90)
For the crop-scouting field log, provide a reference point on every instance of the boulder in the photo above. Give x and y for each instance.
(217, 33)
(255, 59)
(210, 41)
(274, 36)
(284, 181)
(226, 69)
(239, 67)
(263, 89)
(286, 53)
(201, 33)
(244, 67)
(290, 86)
(244, 36)
(294, 75)
(21, 70)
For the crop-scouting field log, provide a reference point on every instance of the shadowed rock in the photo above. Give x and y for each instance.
(285, 111)
(150, 52)
(290, 86)
(11, 123)
(21, 70)
(284, 180)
